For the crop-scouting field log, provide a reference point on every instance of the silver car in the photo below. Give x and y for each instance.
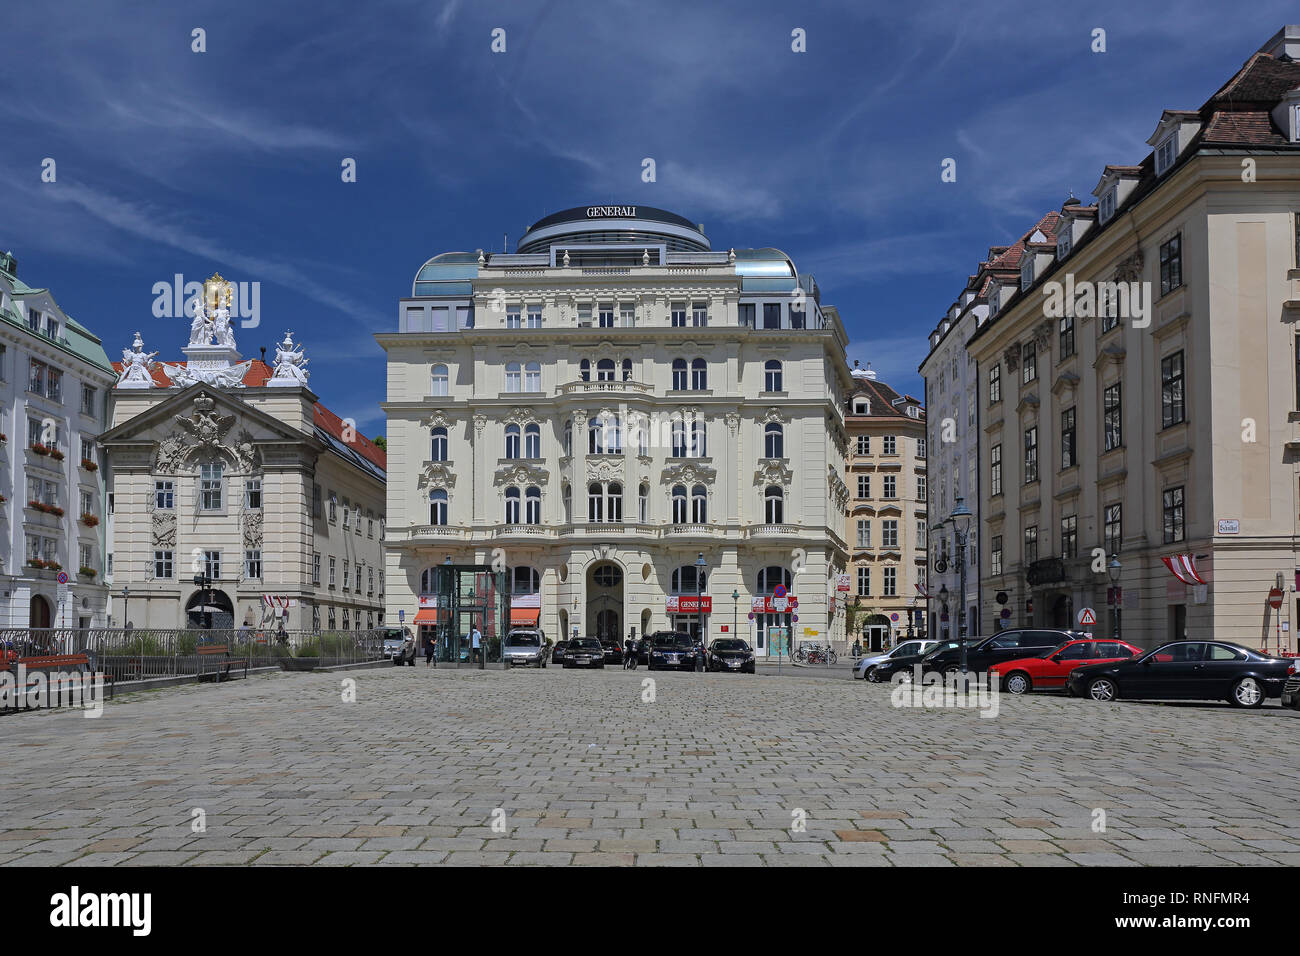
(525, 647)
(902, 650)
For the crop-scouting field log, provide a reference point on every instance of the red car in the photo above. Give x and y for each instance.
(1048, 671)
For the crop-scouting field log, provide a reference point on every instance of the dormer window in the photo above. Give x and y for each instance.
(1063, 243)
(1107, 204)
(1166, 153)
(1027, 273)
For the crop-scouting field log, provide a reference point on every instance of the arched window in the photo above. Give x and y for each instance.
(614, 435)
(679, 438)
(770, 577)
(533, 505)
(614, 500)
(773, 441)
(439, 442)
(699, 505)
(643, 503)
(772, 376)
(438, 506)
(699, 375)
(627, 370)
(514, 381)
(532, 441)
(429, 581)
(533, 377)
(679, 504)
(512, 506)
(595, 436)
(684, 582)
(605, 370)
(524, 580)
(440, 380)
(568, 504)
(584, 370)
(512, 441)
(773, 505)
(679, 375)
(595, 502)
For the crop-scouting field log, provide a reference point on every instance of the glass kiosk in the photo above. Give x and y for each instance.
(469, 596)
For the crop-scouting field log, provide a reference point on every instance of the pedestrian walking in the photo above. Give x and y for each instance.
(475, 641)
(428, 651)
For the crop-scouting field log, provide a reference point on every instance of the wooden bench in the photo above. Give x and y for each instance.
(72, 669)
(215, 659)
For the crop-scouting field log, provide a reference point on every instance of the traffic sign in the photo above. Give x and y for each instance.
(779, 591)
(1275, 598)
(63, 577)
(401, 616)
(1087, 617)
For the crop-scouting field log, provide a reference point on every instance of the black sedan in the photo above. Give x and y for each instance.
(671, 650)
(901, 668)
(584, 652)
(730, 654)
(613, 650)
(981, 654)
(1187, 670)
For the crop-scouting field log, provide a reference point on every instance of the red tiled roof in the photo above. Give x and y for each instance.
(1262, 80)
(882, 400)
(257, 375)
(1251, 127)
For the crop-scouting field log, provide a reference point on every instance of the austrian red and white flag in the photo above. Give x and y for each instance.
(1183, 567)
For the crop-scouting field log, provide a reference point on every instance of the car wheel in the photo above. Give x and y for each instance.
(1247, 692)
(904, 676)
(1103, 689)
(1017, 682)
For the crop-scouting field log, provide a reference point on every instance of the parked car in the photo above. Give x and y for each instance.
(584, 652)
(672, 650)
(526, 646)
(1049, 669)
(557, 652)
(390, 639)
(983, 653)
(1188, 670)
(901, 667)
(730, 654)
(905, 649)
(1291, 692)
(613, 650)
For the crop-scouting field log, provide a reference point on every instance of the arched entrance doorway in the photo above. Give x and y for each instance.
(876, 632)
(210, 609)
(604, 602)
(39, 613)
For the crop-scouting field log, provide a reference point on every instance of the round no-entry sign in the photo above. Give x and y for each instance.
(1275, 598)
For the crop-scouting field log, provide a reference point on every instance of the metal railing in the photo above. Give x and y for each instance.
(144, 653)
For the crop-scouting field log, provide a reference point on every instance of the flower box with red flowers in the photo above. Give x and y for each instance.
(57, 455)
(86, 572)
(89, 465)
(39, 448)
(89, 520)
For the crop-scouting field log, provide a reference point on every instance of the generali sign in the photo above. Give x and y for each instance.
(690, 605)
(774, 605)
(610, 212)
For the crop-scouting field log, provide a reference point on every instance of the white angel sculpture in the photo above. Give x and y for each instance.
(135, 365)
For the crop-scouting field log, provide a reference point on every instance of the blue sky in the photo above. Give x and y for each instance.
(170, 161)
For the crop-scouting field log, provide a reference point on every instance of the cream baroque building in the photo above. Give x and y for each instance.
(606, 407)
(1157, 422)
(234, 469)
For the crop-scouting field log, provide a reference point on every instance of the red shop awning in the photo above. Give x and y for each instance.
(522, 616)
(426, 615)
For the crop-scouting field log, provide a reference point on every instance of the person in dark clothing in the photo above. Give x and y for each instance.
(428, 651)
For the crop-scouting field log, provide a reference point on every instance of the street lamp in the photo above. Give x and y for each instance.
(1114, 569)
(126, 594)
(960, 520)
(735, 612)
(699, 603)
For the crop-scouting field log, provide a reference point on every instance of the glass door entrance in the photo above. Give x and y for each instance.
(473, 614)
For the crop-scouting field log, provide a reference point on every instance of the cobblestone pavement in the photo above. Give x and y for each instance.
(717, 771)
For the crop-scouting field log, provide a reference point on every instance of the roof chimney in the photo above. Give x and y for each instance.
(1286, 42)
(871, 373)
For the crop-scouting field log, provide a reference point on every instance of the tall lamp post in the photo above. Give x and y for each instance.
(126, 594)
(1114, 569)
(960, 520)
(735, 612)
(699, 603)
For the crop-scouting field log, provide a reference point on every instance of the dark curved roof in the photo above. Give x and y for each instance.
(579, 214)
